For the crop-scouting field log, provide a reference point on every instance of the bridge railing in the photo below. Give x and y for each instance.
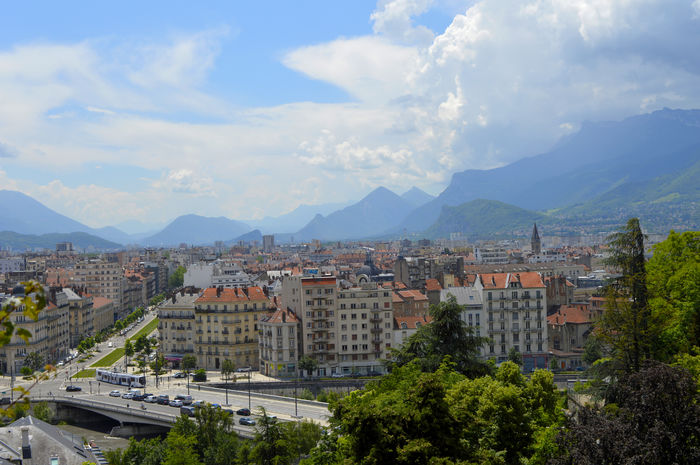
(164, 417)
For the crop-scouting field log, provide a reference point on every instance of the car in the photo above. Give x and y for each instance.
(60, 364)
(337, 375)
(227, 410)
(187, 410)
(150, 399)
(115, 393)
(180, 375)
(72, 388)
(163, 399)
(246, 421)
(216, 406)
(128, 395)
(175, 403)
(138, 397)
(243, 412)
(198, 403)
(243, 370)
(5, 401)
(186, 400)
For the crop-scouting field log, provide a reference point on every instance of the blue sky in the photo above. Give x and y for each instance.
(149, 110)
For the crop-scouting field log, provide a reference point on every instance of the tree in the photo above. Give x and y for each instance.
(592, 350)
(446, 335)
(653, 416)
(177, 278)
(128, 353)
(227, 368)
(626, 324)
(308, 364)
(515, 356)
(189, 362)
(269, 447)
(673, 278)
(180, 450)
(43, 412)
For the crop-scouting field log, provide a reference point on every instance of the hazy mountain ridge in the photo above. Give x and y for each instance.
(416, 196)
(372, 215)
(80, 240)
(196, 229)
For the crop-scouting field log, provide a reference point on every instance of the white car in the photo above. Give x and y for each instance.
(128, 395)
(150, 399)
(115, 393)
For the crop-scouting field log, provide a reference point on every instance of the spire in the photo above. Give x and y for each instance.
(535, 243)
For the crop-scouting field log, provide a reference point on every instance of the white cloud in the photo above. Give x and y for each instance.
(504, 80)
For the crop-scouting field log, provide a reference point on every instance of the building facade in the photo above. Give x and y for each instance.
(226, 326)
(279, 344)
(176, 325)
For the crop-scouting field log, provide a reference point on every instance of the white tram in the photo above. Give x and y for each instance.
(123, 379)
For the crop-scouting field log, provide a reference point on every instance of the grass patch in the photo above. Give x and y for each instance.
(146, 330)
(86, 373)
(110, 359)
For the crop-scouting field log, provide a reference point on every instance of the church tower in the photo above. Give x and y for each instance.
(535, 243)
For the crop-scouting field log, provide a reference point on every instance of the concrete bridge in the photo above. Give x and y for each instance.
(130, 421)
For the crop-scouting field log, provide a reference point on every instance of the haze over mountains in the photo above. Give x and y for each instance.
(646, 165)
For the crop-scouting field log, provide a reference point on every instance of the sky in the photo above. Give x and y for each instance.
(114, 112)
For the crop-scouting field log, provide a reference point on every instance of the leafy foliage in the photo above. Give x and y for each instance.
(177, 278)
(446, 335)
(411, 416)
(307, 364)
(653, 417)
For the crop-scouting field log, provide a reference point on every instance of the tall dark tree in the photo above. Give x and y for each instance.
(653, 417)
(307, 364)
(446, 335)
(626, 324)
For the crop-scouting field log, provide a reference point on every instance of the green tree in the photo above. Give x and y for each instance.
(180, 450)
(177, 278)
(189, 362)
(227, 369)
(307, 364)
(26, 371)
(673, 277)
(446, 335)
(128, 353)
(592, 350)
(43, 412)
(515, 356)
(270, 448)
(626, 324)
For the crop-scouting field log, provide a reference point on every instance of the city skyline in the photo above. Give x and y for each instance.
(146, 113)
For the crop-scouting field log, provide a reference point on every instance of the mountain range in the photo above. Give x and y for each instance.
(647, 166)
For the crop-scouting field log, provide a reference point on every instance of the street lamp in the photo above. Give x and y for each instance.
(249, 373)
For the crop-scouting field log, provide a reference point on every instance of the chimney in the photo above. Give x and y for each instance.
(218, 291)
(182, 291)
(284, 317)
(26, 447)
(174, 297)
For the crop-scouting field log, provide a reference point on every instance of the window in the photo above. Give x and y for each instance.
(404, 325)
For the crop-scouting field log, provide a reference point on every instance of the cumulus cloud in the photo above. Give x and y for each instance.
(505, 79)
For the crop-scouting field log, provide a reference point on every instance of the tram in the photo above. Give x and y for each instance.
(123, 379)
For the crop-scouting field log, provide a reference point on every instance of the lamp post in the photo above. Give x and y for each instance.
(249, 373)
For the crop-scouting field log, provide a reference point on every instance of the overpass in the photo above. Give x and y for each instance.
(133, 420)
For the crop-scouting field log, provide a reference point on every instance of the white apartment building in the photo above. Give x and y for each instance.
(279, 344)
(216, 274)
(515, 306)
(491, 254)
(176, 327)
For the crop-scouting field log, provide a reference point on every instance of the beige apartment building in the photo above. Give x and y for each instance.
(103, 313)
(50, 336)
(102, 279)
(176, 325)
(226, 326)
(345, 330)
(81, 316)
(279, 343)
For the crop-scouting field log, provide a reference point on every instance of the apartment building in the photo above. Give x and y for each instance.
(104, 313)
(318, 314)
(226, 326)
(176, 325)
(365, 328)
(515, 306)
(102, 279)
(279, 343)
(81, 316)
(50, 334)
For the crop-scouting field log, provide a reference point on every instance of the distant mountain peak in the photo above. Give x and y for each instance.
(416, 196)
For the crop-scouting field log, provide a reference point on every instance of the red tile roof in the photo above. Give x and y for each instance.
(98, 302)
(571, 315)
(411, 321)
(231, 295)
(318, 281)
(276, 317)
(528, 279)
(432, 284)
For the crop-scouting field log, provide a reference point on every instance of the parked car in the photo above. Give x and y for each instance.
(115, 393)
(216, 406)
(243, 370)
(72, 388)
(60, 364)
(163, 399)
(138, 397)
(175, 403)
(198, 403)
(187, 410)
(243, 412)
(150, 399)
(246, 421)
(227, 410)
(128, 395)
(186, 400)
(337, 375)
(180, 375)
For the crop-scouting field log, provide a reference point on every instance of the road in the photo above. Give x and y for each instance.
(283, 408)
